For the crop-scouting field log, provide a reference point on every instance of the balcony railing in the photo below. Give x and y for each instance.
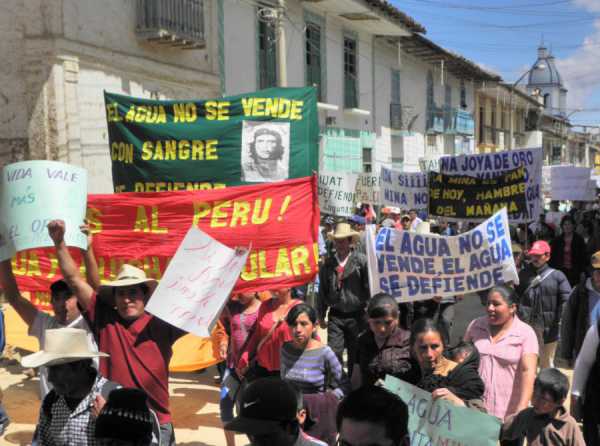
(436, 120)
(178, 23)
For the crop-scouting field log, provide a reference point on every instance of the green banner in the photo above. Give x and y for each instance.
(265, 136)
(441, 422)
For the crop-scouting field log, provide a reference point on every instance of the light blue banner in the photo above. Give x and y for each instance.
(441, 422)
(34, 192)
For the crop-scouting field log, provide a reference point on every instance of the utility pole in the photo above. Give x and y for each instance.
(281, 48)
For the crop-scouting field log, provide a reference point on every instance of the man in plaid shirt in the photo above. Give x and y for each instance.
(68, 413)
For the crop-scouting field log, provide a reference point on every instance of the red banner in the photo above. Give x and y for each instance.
(280, 221)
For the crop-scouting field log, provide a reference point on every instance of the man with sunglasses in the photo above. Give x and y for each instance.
(269, 413)
(372, 416)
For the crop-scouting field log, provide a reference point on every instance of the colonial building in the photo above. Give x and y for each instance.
(507, 118)
(59, 55)
(388, 96)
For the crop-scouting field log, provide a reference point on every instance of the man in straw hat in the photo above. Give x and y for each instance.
(63, 302)
(344, 291)
(139, 343)
(68, 412)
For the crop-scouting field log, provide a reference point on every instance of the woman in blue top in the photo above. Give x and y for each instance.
(315, 370)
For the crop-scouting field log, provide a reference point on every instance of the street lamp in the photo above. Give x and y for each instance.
(537, 66)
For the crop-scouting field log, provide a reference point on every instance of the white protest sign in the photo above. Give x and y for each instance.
(367, 188)
(489, 165)
(197, 283)
(429, 164)
(572, 183)
(411, 266)
(404, 190)
(336, 193)
(32, 193)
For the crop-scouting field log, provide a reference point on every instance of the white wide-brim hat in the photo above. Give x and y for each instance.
(62, 345)
(344, 230)
(129, 275)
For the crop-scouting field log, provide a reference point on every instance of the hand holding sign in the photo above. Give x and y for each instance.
(197, 283)
(56, 231)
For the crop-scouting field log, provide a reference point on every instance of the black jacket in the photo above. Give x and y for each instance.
(579, 254)
(463, 381)
(353, 293)
(541, 303)
(575, 321)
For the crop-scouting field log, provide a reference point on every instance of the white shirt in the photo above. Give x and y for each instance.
(44, 321)
(415, 223)
(585, 361)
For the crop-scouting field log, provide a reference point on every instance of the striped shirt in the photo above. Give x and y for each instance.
(311, 371)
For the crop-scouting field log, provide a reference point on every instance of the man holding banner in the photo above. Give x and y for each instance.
(344, 290)
(139, 343)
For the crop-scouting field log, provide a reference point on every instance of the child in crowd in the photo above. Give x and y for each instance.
(547, 421)
(461, 351)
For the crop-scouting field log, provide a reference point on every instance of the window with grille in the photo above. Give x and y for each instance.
(313, 57)
(350, 73)
(267, 55)
(367, 159)
(463, 94)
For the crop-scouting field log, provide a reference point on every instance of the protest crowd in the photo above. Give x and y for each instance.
(328, 328)
(104, 359)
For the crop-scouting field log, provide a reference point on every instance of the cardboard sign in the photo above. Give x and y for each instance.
(488, 165)
(411, 266)
(572, 183)
(32, 194)
(461, 197)
(439, 422)
(336, 193)
(367, 188)
(197, 283)
(404, 190)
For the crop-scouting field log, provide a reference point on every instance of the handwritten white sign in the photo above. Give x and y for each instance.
(197, 283)
(336, 193)
(34, 192)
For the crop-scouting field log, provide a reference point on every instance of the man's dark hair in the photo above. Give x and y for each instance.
(567, 218)
(59, 287)
(377, 405)
(279, 150)
(552, 382)
(382, 305)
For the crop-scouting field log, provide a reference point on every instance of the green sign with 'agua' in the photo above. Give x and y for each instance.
(265, 136)
(437, 423)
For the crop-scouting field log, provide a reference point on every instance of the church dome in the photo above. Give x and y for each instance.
(544, 70)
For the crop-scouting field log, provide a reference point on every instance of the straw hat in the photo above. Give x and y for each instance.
(344, 230)
(62, 345)
(130, 275)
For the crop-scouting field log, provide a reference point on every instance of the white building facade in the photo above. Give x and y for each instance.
(378, 98)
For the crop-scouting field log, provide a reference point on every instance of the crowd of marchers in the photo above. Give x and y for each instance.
(103, 362)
